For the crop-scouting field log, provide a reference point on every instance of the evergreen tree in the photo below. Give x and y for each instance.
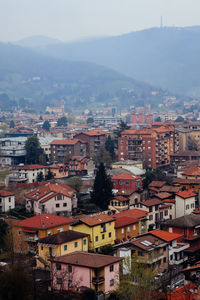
(49, 175)
(102, 188)
(46, 125)
(40, 177)
(62, 122)
(110, 146)
(12, 124)
(121, 127)
(33, 150)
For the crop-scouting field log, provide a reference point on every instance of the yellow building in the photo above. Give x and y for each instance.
(101, 229)
(60, 244)
(26, 233)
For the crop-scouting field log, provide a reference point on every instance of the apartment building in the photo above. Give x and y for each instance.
(61, 149)
(152, 146)
(7, 201)
(95, 140)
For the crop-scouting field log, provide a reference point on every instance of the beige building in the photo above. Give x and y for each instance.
(184, 203)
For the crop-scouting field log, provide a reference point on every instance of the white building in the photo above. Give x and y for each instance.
(184, 203)
(30, 172)
(7, 201)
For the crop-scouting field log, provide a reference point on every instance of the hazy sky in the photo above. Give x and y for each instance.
(73, 19)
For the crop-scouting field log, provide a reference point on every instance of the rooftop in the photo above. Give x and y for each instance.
(157, 184)
(125, 221)
(97, 220)
(125, 176)
(4, 193)
(165, 235)
(62, 237)
(186, 194)
(187, 221)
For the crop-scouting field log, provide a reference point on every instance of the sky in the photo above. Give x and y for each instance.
(69, 20)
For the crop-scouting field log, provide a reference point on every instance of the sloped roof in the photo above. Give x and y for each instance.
(85, 259)
(163, 195)
(32, 167)
(170, 189)
(187, 221)
(125, 221)
(157, 184)
(134, 213)
(62, 237)
(165, 235)
(125, 176)
(65, 142)
(4, 193)
(94, 132)
(43, 221)
(97, 220)
(186, 194)
(151, 202)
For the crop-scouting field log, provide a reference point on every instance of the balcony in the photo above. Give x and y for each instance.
(179, 247)
(178, 262)
(98, 280)
(33, 239)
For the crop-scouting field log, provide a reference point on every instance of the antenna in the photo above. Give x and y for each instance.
(161, 22)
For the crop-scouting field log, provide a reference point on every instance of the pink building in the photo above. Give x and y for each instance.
(78, 269)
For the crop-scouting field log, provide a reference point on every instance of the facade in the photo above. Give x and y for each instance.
(30, 172)
(95, 140)
(59, 244)
(81, 165)
(95, 271)
(119, 203)
(7, 201)
(26, 233)
(126, 228)
(126, 182)
(184, 203)
(61, 149)
(152, 146)
(54, 198)
(101, 229)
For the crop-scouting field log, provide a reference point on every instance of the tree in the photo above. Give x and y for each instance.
(40, 176)
(3, 230)
(75, 183)
(158, 119)
(46, 125)
(121, 127)
(110, 146)
(102, 188)
(49, 175)
(62, 122)
(90, 120)
(41, 118)
(12, 124)
(102, 156)
(136, 280)
(33, 150)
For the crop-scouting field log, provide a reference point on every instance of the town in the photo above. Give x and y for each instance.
(101, 204)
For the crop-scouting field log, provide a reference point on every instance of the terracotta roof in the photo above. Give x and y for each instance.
(151, 202)
(94, 132)
(125, 221)
(169, 201)
(66, 142)
(32, 167)
(186, 194)
(196, 267)
(121, 198)
(50, 190)
(158, 184)
(62, 237)
(170, 189)
(183, 293)
(165, 235)
(4, 193)
(186, 181)
(43, 221)
(193, 171)
(85, 259)
(139, 242)
(126, 176)
(133, 213)
(163, 195)
(97, 220)
(187, 221)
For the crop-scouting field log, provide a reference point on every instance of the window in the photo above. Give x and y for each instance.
(122, 230)
(111, 268)
(187, 206)
(128, 229)
(134, 227)
(109, 234)
(150, 209)
(103, 236)
(19, 232)
(59, 197)
(48, 232)
(57, 205)
(126, 183)
(156, 207)
(171, 257)
(64, 204)
(42, 248)
(140, 253)
(150, 217)
(69, 268)
(166, 212)
(76, 244)
(96, 238)
(59, 280)
(60, 230)
(58, 266)
(9, 199)
(111, 282)
(84, 242)
(192, 205)
(164, 259)
(65, 247)
(69, 283)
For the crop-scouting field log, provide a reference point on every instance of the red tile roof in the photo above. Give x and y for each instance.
(193, 171)
(4, 193)
(97, 220)
(186, 194)
(151, 202)
(133, 213)
(163, 195)
(121, 198)
(94, 132)
(157, 183)
(50, 190)
(66, 142)
(32, 167)
(183, 293)
(169, 201)
(165, 235)
(125, 221)
(43, 221)
(125, 176)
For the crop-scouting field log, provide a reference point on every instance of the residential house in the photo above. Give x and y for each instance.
(30, 172)
(126, 182)
(119, 203)
(91, 270)
(61, 150)
(54, 198)
(59, 170)
(184, 203)
(189, 227)
(187, 184)
(95, 140)
(126, 228)
(81, 165)
(101, 229)
(7, 201)
(27, 232)
(58, 244)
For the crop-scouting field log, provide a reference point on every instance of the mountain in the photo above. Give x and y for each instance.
(45, 81)
(167, 57)
(37, 42)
